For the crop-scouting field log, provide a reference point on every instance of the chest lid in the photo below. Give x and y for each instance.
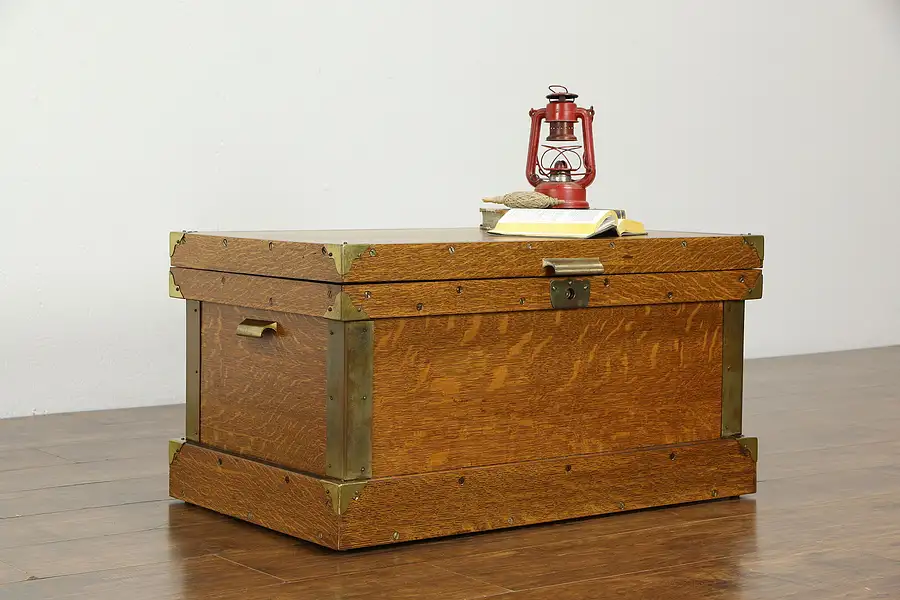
(387, 255)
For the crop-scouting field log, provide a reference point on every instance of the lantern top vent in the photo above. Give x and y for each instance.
(560, 93)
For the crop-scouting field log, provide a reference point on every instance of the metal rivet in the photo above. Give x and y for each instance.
(612, 244)
(420, 306)
(741, 279)
(684, 244)
(461, 480)
(669, 295)
(363, 398)
(362, 469)
(552, 286)
(225, 243)
(584, 286)
(395, 536)
(621, 506)
(671, 456)
(271, 245)
(356, 495)
(451, 249)
(367, 295)
(459, 289)
(371, 251)
(715, 493)
(330, 308)
(521, 300)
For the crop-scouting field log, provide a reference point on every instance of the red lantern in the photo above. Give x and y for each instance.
(563, 169)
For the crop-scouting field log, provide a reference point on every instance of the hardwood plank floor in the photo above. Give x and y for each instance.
(84, 514)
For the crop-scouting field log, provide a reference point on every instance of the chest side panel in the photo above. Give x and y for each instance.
(264, 397)
(466, 390)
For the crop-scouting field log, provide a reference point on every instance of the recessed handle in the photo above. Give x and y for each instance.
(573, 266)
(255, 328)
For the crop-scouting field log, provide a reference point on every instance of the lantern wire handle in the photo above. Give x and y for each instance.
(565, 90)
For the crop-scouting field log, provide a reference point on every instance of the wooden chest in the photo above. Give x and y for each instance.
(356, 388)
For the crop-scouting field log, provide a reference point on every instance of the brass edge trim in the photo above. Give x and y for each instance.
(341, 494)
(758, 243)
(756, 292)
(732, 366)
(176, 238)
(345, 254)
(192, 379)
(174, 448)
(343, 309)
(335, 392)
(360, 337)
(174, 289)
(749, 445)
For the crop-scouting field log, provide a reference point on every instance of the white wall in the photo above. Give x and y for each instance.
(120, 121)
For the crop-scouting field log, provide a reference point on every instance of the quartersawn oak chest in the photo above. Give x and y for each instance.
(356, 388)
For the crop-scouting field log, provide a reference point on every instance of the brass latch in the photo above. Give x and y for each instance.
(570, 293)
(573, 266)
(255, 327)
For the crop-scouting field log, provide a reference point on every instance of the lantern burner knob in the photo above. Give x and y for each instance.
(561, 171)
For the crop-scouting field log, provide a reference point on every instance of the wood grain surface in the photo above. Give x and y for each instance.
(421, 298)
(266, 293)
(498, 496)
(282, 500)
(264, 397)
(458, 391)
(449, 254)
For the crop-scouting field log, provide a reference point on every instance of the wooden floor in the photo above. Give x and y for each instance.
(84, 514)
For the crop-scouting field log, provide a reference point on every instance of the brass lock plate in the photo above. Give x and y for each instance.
(570, 293)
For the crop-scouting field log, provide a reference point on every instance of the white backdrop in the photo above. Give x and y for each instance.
(122, 120)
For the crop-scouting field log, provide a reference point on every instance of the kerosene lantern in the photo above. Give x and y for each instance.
(563, 168)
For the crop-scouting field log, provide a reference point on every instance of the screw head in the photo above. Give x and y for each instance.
(371, 251)
(420, 306)
(714, 493)
(612, 244)
(225, 243)
(271, 245)
(741, 279)
(367, 295)
(521, 300)
(684, 244)
(395, 536)
(459, 289)
(451, 249)
(621, 506)
(510, 520)
(672, 456)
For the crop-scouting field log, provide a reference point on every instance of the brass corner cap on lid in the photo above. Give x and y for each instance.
(174, 448)
(345, 254)
(758, 243)
(174, 289)
(176, 238)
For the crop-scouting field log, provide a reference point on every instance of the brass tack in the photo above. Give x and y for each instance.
(528, 246)
(461, 480)
(621, 506)
(612, 244)
(452, 249)
(521, 300)
(741, 279)
(271, 245)
(372, 252)
(606, 281)
(362, 469)
(367, 295)
(684, 244)
(669, 295)
(395, 536)
(585, 286)
(356, 495)
(672, 456)
(225, 242)
(715, 493)
(320, 536)
(510, 520)
(459, 289)
(420, 306)
(324, 250)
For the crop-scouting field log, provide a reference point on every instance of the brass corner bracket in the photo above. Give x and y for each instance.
(176, 238)
(341, 494)
(345, 254)
(174, 289)
(343, 309)
(757, 242)
(756, 292)
(174, 448)
(750, 447)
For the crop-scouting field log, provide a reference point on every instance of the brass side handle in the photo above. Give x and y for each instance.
(255, 328)
(573, 266)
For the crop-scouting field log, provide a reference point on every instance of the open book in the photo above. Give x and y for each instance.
(554, 222)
